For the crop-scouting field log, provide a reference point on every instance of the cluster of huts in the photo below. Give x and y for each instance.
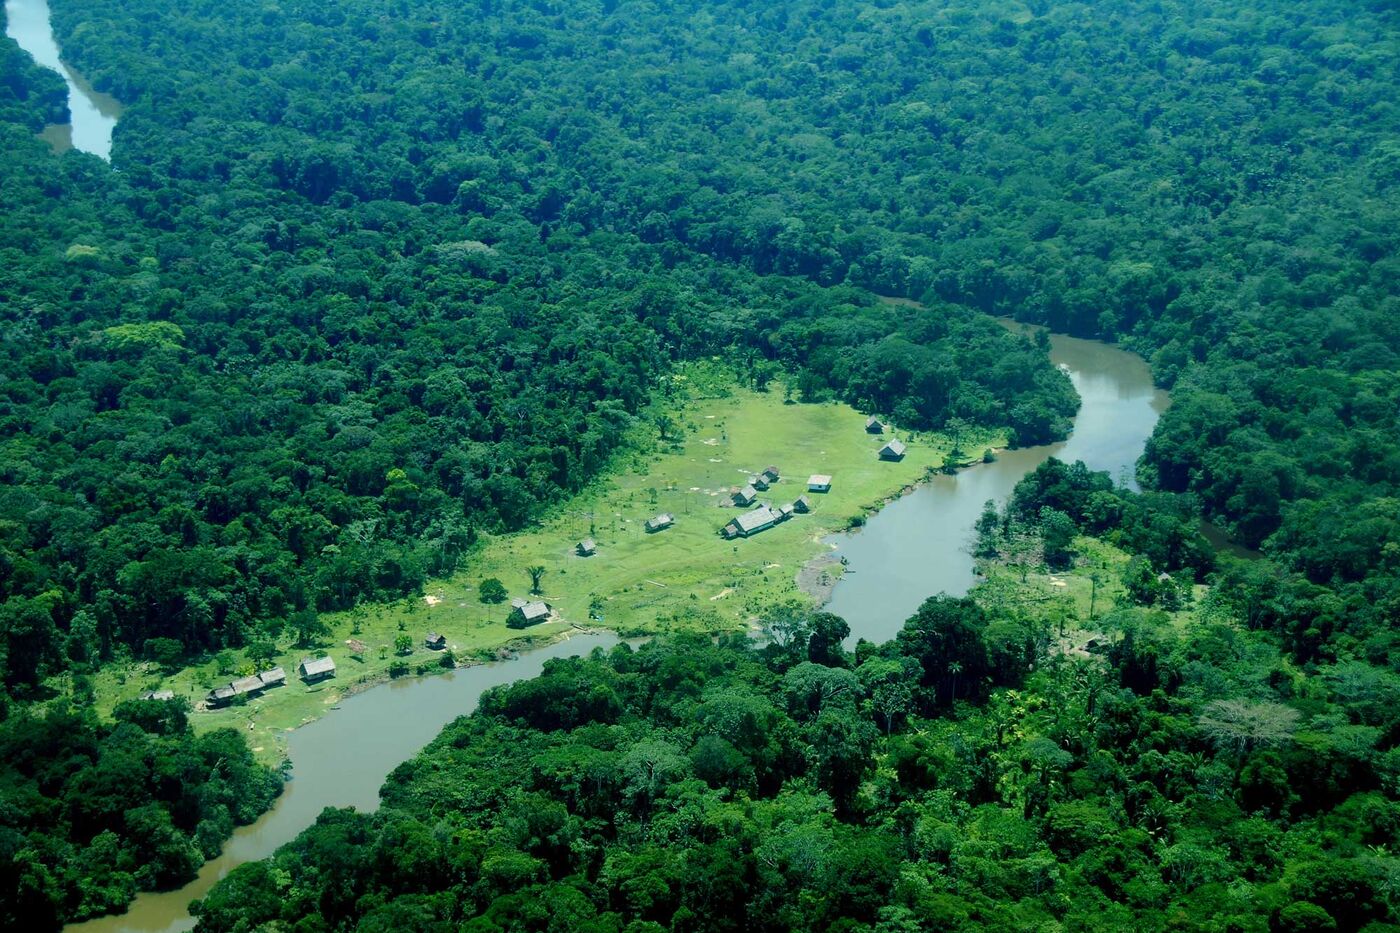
(252, 685)
(895, 449)
(309, 670)
(763, 516)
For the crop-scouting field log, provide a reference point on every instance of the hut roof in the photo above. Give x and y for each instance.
(874, 424)
(161, 695)
(250, 684)
(745, 495)
(587, 546)
(818, 479)
(894, 448)
(772, 473)
(310, 667)
(534, 610)
(756, 520)
(226, 692)
(273, 677)
(664, 520)
(433, 640)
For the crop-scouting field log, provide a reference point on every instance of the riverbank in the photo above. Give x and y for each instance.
(686, 578)
(921, 544)
(92, 114)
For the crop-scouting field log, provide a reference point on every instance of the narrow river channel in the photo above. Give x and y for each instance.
(913, 548)
(920, 544)
(341, 760)
(93, 114)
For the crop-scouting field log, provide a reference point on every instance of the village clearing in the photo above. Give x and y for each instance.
(637, 583)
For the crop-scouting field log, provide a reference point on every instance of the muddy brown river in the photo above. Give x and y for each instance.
(920, 544)
(915, 547)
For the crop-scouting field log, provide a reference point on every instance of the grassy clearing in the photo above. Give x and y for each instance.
(1074, 601)
(688, 577)
(684, 578)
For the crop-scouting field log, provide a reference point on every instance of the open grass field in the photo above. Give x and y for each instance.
(684, 578)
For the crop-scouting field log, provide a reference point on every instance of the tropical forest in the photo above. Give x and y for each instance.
(608, 466)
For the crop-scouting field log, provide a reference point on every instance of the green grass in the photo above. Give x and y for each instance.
(1071, 595)
(688, 577)
(684, 578)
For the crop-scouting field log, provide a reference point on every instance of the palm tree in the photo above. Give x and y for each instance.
(955, 668)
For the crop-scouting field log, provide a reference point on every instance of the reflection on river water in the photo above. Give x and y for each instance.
(920, 544)
(94, 114)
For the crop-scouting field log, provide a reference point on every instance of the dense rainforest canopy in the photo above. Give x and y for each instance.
(691, 786)
(229, 400)
(363, 281)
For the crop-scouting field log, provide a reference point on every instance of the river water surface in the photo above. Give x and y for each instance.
(341, 760)
(920, 544)
(94, 114)
(913, 548)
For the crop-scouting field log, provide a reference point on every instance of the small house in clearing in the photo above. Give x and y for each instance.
(785, 512)
(771, 474)
(250, 684)
(529, 614)
(221, 695)
(802, 505)
(751, 523)
(745, 496)
(660, 522)
(819, 482)
(158, 695)
(587, 547)
(435, 641)
(894, 450)
(874, 425)
(273, 678)
(759, 483)
(313, 669)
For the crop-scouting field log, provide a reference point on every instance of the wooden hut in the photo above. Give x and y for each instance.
(251, 685)
(273, 678)
(751, 523)
(532, 613)
(874, 425)
(586, 548)
(802, 505)
(660, 522)
(745, 497)
(435, 642)
(819, 482)
(221, 695)
(312, 670)
(894, 450)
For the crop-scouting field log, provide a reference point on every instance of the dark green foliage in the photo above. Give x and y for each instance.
(492, 590)
(256, 375)
(721, 787)
(90, 812)
(370, 280)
